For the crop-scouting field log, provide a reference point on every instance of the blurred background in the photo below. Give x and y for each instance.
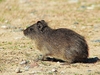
(82, 16)
(60, 13)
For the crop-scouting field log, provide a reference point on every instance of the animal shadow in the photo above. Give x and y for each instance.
(92, 60)
(89, 60)
(54, 59)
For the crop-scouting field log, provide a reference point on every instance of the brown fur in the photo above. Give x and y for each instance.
(61, 43)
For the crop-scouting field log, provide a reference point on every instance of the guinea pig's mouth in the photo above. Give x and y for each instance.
(26, 33)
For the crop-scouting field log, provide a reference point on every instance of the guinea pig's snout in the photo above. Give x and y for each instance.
(25, 32)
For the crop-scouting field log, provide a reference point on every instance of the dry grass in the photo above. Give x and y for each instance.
(16, 14)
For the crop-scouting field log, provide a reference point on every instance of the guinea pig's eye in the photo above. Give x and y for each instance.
(39, 26)
(31, 29)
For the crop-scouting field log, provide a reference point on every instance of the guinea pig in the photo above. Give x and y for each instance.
(61, 43)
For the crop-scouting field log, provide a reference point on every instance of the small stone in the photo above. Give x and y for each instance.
(17, 70)
(73, 1)
(4, 27)
(83, 27)
(62, 72)
(6, 21)
(23, 62)
(91, 7)
(34, 72)
(58, 62)
(83, 7)
(54, 70)
(76, 23)
(18, 30)
(89, 70)
(23, 1)
(27, 68)
(18, 38)
(96, 40)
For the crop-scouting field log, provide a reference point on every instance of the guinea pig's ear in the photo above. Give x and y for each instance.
(40, 26)
(43, 22)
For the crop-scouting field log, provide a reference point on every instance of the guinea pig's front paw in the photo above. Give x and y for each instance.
(41, 57)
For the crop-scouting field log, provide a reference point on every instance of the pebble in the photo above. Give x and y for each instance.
(73, 1)
(83, 7)
(23, 1)
(62, 72)
(18, 70)
(96, 27)
(8, 27)
(34, 72)
(23, 62)
(18, 30)
(96, 40)
(54, 70)
(91, 7)
(83, 27)
(58, 62)
(89, 70)
(4, 27)
(26, 68)
(14, 29)
(18, 38)
(1, 48)
(75, 23)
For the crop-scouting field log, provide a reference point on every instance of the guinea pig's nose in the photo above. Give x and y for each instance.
(25, 32)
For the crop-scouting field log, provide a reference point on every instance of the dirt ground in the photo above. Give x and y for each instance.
(18, 55)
